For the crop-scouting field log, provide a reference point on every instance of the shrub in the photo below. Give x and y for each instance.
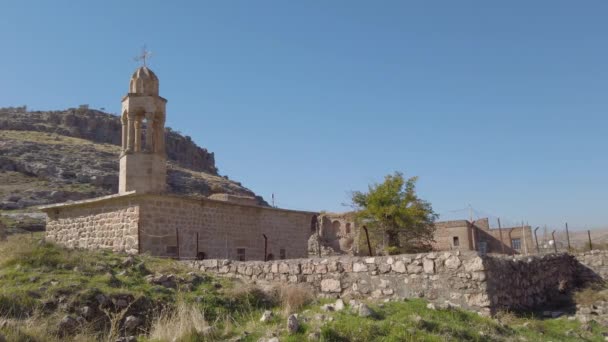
(185, 322)
(293, 297)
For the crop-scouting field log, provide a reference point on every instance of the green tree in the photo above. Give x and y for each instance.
(393, 209)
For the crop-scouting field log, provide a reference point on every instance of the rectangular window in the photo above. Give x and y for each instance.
(240, 254)
(516, 244)
(456, 242)
(283, 254)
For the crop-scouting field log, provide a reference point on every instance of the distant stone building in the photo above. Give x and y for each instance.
(478, 236)
(144, 218)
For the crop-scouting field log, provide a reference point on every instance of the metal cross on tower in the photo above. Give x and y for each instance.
(144, 56)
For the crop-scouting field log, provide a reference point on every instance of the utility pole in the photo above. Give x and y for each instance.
(470, 213)
(568, 236)
(536, 239)
(502, 243)
(523, 231)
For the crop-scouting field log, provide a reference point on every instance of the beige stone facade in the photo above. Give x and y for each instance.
(143, 157)
(221, 229)
(109, 222)
(180, 227)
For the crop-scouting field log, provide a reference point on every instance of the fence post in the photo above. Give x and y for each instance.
(369, 245)
(590, 244)
(502, 243)
(265, 247)
(177, 242)
(536, 239)
(554, 242)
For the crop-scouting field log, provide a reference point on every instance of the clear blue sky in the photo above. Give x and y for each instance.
(501, 105)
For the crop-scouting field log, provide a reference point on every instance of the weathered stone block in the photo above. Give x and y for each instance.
(453, 262)
(398, 266)
(359, 267)
(428, 266)
(474, 265)
(331, 285)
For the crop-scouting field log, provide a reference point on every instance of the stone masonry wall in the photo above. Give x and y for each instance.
(593, 265)
(529, 282)
(110, 224)
(460, 278)
(222, 227)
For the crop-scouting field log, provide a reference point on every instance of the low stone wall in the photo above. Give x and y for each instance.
(529, 282)
(593, 266)
(460, 278)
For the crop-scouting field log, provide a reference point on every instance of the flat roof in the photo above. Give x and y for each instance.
(133, 194)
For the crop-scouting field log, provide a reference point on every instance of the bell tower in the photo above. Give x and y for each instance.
(143, 158)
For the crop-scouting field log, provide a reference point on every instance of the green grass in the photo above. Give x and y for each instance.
(33, 273)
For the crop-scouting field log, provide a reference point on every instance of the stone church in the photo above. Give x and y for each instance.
(144, 218)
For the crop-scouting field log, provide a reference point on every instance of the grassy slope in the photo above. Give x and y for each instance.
(56, 139)
(32, 275)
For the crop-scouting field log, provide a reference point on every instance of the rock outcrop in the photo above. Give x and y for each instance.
(103, 128)
(59, 156)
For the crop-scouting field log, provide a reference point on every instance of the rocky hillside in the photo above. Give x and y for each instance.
(55, 156)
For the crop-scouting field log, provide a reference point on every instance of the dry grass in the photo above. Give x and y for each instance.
(41, 328)
(293, 297)
(16, 246)
(55, 139)
(506, 317)
(184, 322)
(591, 295)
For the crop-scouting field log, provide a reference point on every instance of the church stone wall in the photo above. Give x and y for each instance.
(170, 225)
(109, 224)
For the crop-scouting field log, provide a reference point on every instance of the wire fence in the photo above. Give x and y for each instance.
(545, 239)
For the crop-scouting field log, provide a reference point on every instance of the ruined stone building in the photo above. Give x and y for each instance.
(144, 218)
(340, 234)
(336, 234)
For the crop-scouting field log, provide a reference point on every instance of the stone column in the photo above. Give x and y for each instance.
(150, 132)
(130, 134)
(159, 146)
(124, 132)
(138, 134)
